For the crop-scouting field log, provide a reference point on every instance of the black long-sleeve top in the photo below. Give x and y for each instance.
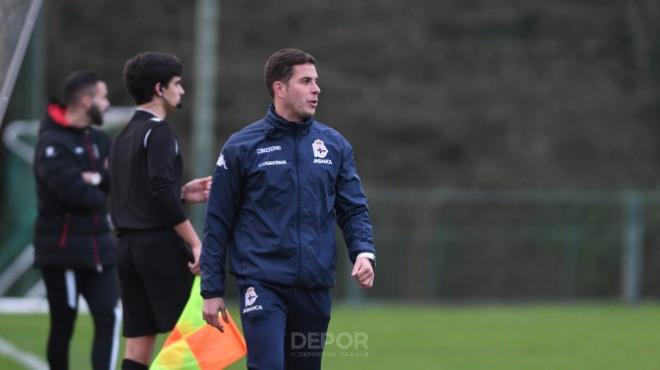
(146, 171)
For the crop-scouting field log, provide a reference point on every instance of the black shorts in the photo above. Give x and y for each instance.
(154, 279)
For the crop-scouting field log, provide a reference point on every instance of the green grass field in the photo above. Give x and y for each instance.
(558, 337)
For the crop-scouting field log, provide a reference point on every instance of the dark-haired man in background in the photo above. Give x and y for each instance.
(278, 187)
(74, 246)
(158, 247)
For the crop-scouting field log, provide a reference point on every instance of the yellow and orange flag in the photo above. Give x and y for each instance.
(195, 345)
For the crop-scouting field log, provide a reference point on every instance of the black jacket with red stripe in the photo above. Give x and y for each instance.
(72, 228)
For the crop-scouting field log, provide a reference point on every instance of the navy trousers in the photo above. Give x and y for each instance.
(284, 327)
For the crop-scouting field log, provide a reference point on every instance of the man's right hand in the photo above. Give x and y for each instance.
(210, 310)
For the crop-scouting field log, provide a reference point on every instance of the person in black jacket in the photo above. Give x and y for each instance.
(74, 245)
(158, 247)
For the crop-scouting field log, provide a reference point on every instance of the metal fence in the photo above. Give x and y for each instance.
(445, 245)
(442, 245)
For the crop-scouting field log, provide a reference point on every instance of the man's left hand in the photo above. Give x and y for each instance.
(197, 190)
(363, 272)
(91, 177)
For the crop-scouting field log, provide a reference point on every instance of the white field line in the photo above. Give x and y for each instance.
(30, 305)
(27, 359)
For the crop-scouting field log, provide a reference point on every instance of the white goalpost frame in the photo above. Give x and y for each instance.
(17, 56)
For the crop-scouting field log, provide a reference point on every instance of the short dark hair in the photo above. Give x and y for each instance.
(145, 70)
(78, 84)
(279, 66)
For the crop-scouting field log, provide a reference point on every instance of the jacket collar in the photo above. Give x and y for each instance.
(57, 114)
(55, 117)
(276, 126)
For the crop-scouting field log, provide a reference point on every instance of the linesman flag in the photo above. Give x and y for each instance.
(195, 345)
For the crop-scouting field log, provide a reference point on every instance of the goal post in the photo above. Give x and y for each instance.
(17, 20)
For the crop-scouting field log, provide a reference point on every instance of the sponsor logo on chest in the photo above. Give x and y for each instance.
(272, 163)
(269, 149)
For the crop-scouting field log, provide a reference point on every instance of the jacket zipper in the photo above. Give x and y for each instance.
(95, 216)
(90, 150)
(298, 186)
(65, 231)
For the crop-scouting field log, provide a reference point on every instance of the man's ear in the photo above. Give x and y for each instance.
(158, 89)
(279, 89)
(86, 102)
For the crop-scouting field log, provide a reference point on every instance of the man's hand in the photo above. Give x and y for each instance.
(363, 272)
(194, 265)
(91, 177)
(197, 190)
(210, 311)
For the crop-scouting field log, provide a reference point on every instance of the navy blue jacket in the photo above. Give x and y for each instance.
(278, 190)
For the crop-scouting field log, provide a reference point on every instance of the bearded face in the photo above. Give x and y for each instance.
(95, 115)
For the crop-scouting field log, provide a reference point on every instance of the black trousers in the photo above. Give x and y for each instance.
(101, 292)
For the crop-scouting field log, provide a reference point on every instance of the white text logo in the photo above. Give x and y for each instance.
(268, 149)
(272, 163)
(322, 161)
(253, 308)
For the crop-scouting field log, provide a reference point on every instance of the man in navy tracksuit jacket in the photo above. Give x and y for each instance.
(279, 187)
